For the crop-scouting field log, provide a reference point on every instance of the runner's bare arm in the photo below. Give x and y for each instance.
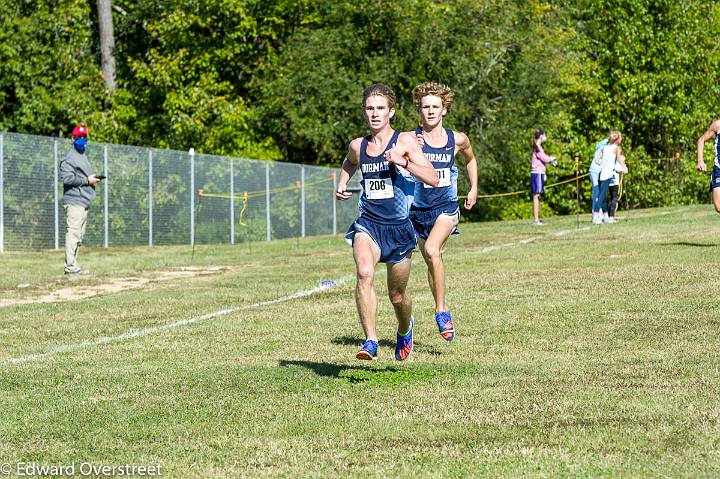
(712, 130)
(349, 167)
(465, 149)
(408, 154)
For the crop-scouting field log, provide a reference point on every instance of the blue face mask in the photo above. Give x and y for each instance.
(80, 144)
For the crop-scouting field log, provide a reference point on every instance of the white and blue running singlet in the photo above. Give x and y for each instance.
(715, 174)
(382, 199)
(443, 160)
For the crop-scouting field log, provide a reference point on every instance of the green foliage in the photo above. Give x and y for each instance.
(521, 209)
(187, 85)
(652, 61)
(283, 79)
(311, 91)
(48, 76)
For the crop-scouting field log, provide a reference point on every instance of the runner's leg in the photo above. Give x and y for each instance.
(367, 255)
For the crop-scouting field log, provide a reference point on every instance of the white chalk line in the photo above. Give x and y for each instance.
(567, 232)
(164, 327)
(675, 211)
(223, 312)
(532, 239)
(650, 215)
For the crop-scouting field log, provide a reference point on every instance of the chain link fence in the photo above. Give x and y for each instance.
(164, 197)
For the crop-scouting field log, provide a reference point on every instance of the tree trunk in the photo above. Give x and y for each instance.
(107, 42)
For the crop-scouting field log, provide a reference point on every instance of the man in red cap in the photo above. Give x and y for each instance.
(79, 182)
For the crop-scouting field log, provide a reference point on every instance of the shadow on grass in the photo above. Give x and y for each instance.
(388, 375)
(357, 341)
(689, 243)
(386, 343)
(330, 370)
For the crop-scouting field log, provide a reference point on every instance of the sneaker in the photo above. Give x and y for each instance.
(538, 223)
(445, 325)
(597, 220)
(610, 219)
(368, 352)
(77, 272)
(404, 344)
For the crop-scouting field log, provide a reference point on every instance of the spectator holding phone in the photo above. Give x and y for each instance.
(79, 182)
(538, 159)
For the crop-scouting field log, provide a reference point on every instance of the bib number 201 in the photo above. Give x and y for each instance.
(443, 177)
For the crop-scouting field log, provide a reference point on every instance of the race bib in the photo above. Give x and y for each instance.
(443, 176)
(379, 188)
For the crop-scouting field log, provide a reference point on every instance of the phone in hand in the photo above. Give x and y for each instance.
(100, 177)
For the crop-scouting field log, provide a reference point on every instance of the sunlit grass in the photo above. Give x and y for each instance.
(579, 352)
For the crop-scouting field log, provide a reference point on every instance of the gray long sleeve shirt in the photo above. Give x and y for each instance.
(74, 171)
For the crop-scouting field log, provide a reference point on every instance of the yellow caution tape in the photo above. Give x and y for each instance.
(259, 193)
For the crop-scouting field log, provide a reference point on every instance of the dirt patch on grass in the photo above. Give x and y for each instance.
(79, 287)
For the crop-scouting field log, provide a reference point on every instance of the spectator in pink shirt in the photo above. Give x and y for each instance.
(538, 159)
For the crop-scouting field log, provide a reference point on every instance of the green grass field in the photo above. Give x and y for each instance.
(580, 352)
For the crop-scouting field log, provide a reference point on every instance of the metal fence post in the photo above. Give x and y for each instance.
(232, 203)
(334, 203)
(267, 202)
(677, 178)
(105, 197)
(577, 192)
(150, 198)
(627, 193)
(192, 196)
(302, 201)
(56, 208)
(2, 193)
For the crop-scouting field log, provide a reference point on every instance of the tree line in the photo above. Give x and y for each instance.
(283, 79)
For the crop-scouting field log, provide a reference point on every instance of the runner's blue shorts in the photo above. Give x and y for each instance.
(537, 183)
(423, 219)
(715, 178)
(395, 241)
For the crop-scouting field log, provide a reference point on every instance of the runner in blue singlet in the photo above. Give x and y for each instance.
(712, 131)
(383, 232)
(435, 213)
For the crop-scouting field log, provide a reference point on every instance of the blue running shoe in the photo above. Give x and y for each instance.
(404, 344)
(445, 325)
(369, 350)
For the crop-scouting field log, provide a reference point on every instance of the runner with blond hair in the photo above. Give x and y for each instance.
(434, 212)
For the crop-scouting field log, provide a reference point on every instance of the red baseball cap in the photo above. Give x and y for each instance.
(79, 131)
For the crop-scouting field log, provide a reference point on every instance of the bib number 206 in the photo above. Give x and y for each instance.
(379, 188)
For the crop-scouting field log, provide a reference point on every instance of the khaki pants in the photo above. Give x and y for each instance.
(76, 220)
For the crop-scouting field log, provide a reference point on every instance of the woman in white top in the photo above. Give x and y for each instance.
(606, 159)
(614, 190)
